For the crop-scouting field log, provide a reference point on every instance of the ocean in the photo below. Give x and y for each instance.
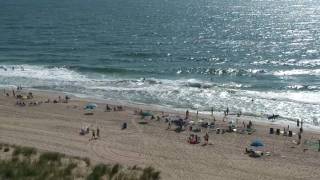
(260, 57)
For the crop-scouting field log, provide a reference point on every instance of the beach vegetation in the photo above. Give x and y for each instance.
(150, 173)
(28, 163)
(25, 151)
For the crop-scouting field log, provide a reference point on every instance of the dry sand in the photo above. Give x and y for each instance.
(55, 127)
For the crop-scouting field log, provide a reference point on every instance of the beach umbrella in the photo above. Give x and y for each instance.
(146, 114)
(90, 106)
(256, 143)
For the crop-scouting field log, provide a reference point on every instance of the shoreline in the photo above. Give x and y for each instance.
(154, 107)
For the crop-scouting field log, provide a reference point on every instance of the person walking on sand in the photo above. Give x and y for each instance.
(227, 111)
(93, 135)
(212, 111)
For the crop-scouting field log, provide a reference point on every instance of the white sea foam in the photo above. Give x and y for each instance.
(296, 72)
(41, 72)
(180, 93)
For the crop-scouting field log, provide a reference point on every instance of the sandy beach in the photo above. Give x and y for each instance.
(56, 127)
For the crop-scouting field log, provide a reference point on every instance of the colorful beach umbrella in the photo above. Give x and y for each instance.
(90, 106)
(256, 143)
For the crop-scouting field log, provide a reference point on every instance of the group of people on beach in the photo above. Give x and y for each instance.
(21, 99)
(115, 108)
(95, 134)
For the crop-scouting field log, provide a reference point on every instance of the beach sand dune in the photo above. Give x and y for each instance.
(56, 127)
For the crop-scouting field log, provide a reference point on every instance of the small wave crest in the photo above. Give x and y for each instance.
(297, 72)
(221, 71)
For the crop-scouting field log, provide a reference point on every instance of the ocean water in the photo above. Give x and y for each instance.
(182, 54)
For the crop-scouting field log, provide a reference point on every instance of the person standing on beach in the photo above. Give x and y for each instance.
(227, 111)
(169, 125)
(187, 114)
(206, 138)
(299, 136)
(212, 111)
(98, 132)
(197, 114)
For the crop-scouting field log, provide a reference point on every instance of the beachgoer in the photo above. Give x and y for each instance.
(299, 136)
(227, 111)
(13, 93)
(206, 138)
(239, 114)
(98, 132)
(319, 145)
(108, 108)
(250, 124)
(284, 132)
(67, 98)
(169, 125)
(187, 114)
(212, 111)
(298, 122)
(87, 130)
(93, 135)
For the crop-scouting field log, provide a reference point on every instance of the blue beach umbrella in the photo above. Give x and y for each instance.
(90, 106)
(146, 114)
(256, 143)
